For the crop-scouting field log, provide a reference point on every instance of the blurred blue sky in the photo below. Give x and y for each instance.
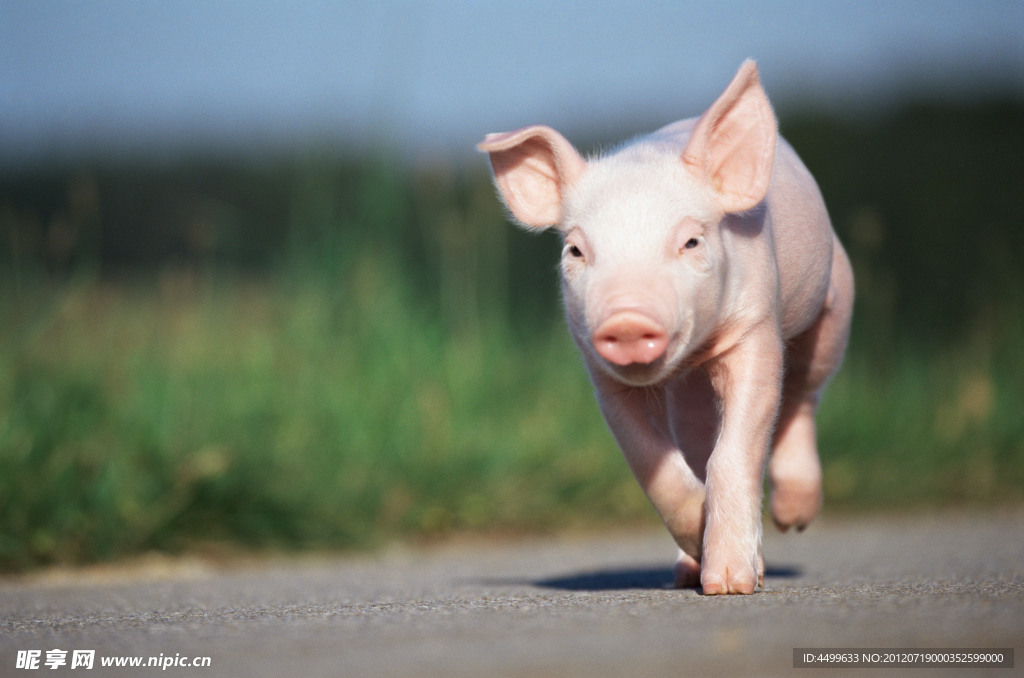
(124, 76)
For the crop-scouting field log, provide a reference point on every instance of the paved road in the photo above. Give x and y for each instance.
(592, 605)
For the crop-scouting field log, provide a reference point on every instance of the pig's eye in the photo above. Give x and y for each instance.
(575, 252)
(691, 243)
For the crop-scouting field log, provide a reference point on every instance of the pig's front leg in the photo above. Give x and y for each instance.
(748, 380)
(638, 419)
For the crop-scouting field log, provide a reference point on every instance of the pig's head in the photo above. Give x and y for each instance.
(645, 275)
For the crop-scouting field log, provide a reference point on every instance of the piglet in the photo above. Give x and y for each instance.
(711, 301)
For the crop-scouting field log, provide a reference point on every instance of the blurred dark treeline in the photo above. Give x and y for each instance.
(929, 201)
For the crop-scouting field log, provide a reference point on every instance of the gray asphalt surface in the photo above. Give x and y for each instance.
(593, 605)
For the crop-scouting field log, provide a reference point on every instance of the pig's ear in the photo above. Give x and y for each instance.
(733, 144)
(533, 168)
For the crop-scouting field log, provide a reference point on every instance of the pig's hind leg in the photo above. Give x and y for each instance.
(811, 358)
(794, 470)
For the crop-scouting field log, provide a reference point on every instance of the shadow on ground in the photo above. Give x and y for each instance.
(637, 578)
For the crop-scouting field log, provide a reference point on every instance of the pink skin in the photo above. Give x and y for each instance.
(711, 300)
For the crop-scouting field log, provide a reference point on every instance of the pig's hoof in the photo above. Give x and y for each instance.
(795, 504)
(687, 571)
(739, 579)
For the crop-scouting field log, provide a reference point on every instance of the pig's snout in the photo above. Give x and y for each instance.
(629, 337)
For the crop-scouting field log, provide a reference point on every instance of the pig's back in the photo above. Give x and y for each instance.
(803, 240)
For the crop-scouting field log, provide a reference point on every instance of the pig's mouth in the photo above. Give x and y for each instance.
(638, 374)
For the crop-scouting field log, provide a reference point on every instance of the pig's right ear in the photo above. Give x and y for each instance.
(533, 168)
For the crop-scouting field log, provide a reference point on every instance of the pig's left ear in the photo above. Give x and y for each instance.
(533, 168)
(732, 146)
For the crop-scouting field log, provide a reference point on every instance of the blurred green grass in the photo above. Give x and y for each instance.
(151, 419)
(325, 354)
